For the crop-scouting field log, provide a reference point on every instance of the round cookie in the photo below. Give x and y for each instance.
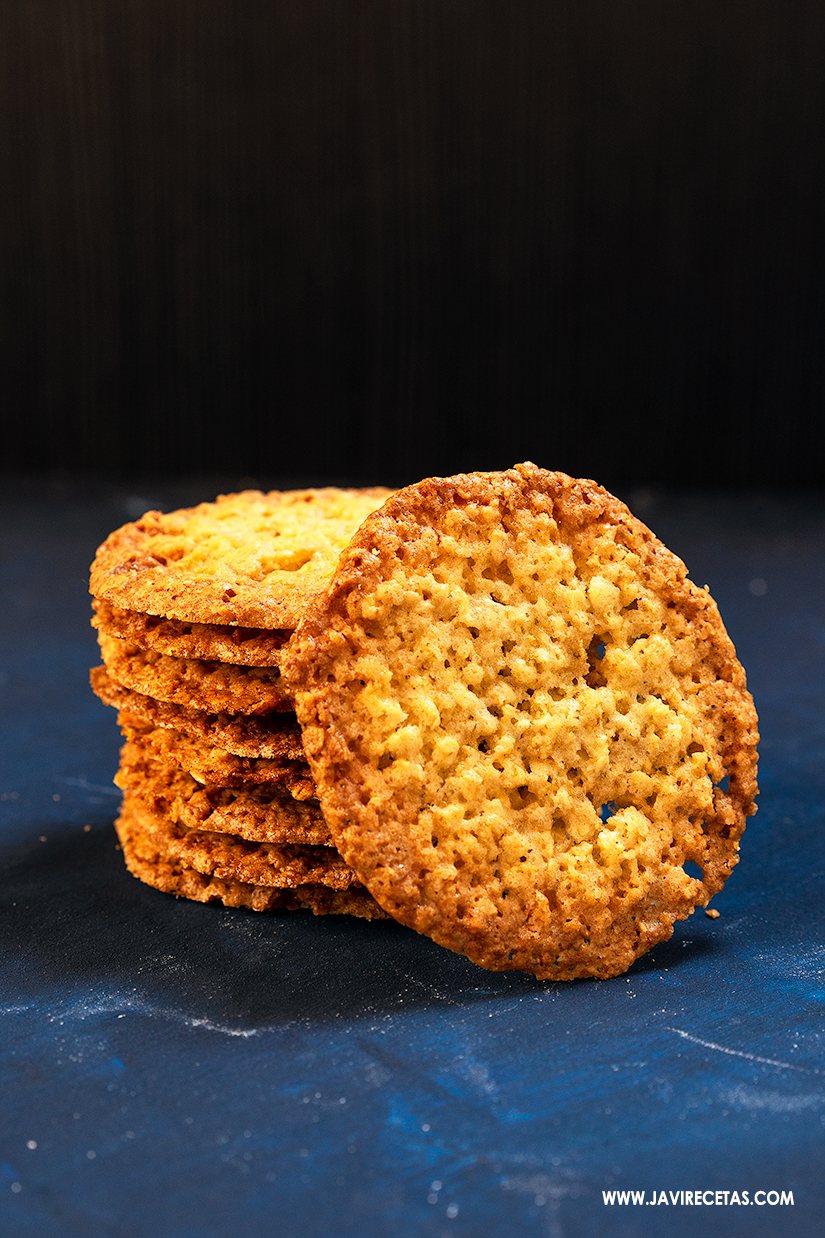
(272, 735)
(147, 859)
(283, 865)
(213, 642)
(258, 813)
(210, 764)
(253, 560)
(215, 687)
(524, 721)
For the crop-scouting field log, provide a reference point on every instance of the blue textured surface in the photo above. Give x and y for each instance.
(196, 1072)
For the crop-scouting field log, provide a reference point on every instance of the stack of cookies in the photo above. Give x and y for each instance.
(193, 610)
(491, 706)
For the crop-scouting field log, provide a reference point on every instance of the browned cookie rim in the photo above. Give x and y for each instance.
(207, 641)
(195, 683)
(409, 528)
(257, 812)
(209, 763)
(170, 876)
(275, 735)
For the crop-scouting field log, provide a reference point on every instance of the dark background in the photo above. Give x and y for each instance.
(378, 239)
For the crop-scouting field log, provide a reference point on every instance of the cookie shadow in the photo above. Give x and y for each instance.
(74, 918)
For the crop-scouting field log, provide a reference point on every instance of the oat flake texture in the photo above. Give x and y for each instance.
(249, 559)
(523, 721)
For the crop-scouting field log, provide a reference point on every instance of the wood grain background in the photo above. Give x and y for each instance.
(378, 239)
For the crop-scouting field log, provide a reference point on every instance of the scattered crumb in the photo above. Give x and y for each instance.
(712, 912)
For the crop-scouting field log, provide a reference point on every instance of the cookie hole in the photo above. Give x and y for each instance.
(499, 572)
(458, 862)
(521, 797)
(634, 605)
(482, 745)
(723, 784)
(459, 913)
(595, 655)
(693, 870)
(522, 859)
(384, 761)
(434, 841)
(558, 830)
(606, 811)
(474, 632)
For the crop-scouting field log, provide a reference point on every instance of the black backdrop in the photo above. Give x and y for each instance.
(378, 239)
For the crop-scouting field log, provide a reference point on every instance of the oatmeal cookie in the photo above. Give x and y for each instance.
(215, 687)
(258, 813)
(209, 764)
(283, 866)
(210, 641)
(272, 735)
(525, 724)
(147, 859)
(250, 560)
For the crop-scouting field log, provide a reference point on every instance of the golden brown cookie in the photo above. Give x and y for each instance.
(239, 646)
(210, 764)
(147, 859)
(523, 721)
(258, 813)
(273, 735)
(215, 687)
(248, 560)
(222, 855)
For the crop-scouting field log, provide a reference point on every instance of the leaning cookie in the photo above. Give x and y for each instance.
(523, 721)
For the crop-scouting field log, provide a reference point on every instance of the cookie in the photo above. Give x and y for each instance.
(273, 735)
(210, 764)
(215, 687)
(250, 560)
(523, 721)
(239, 646)
(282, 866)
(147, 860)
(258, 813)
